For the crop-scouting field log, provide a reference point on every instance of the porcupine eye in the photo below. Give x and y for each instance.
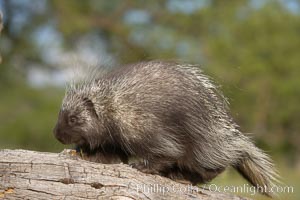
(72, 120)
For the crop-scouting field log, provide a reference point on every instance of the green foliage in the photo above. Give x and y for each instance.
(28, 116)
(252, 51)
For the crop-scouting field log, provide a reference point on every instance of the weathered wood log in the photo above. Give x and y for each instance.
(36, 175)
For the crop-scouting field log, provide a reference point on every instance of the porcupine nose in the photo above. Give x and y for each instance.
(58, 133)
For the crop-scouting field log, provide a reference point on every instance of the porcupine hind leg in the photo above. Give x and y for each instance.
(169, 169)
(194, 177)
(153, 166)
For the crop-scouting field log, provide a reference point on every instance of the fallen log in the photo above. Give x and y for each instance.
(39, 175)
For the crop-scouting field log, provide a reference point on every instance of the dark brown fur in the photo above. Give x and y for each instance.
(168, 115)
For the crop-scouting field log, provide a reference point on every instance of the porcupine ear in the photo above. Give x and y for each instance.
(90, 105)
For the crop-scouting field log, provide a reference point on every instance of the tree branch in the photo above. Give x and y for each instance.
(36, 175)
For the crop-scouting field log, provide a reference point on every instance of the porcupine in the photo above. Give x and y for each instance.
(168, 114)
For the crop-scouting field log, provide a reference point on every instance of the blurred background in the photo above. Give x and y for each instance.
(250, 47)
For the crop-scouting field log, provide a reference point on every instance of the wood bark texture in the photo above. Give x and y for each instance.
(38, 175)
